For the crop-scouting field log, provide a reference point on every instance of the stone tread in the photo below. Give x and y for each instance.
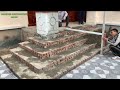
(25, 73)
(39, 49)
(35, 64)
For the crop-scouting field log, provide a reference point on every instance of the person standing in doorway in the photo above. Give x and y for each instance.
(81, 17)
(63, 15)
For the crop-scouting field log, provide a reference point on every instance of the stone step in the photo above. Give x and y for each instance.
(36, 65)
(61, 34)
(43, 53)
(21, 70)
(56, 41)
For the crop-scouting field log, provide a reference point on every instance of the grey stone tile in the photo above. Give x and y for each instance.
(11, 76)
(91, 67)
(7, 71)
(111, 76)
(115, 71)
(105, 62)
(77, 76)
(100, 71)
(95, 64)
(68, 76)
(104, 67)
(117, 67)
(108, 64)
(84, 71)
(94, 76)
(3, 67)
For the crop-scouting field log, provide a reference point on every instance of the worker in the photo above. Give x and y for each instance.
(63, 16)
(81, 17)
(114, 43)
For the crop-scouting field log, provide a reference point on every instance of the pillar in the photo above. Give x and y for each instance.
(46, 23)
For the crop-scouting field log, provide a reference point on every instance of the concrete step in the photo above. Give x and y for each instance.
(36, 65)
(62, 37)
(88, 28)
(21, 70)
(44, 53)
(56, 41)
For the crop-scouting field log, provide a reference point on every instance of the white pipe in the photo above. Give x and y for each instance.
(103, 31)
(90, 32)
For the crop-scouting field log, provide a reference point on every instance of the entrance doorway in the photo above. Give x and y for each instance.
(31, 18)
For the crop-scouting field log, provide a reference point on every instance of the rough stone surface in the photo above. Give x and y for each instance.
(52, 57)
(37, 51)
(37, 65)
(24, 72)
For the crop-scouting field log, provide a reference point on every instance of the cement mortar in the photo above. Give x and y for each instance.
(25, 73)
(10, 38)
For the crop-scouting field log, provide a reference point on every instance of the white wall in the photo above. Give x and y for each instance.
(112, 17)
(7, 20)
(91, 17)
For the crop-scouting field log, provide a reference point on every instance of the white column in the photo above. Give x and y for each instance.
(47, 23)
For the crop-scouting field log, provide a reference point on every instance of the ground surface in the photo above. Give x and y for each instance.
(99, 67)
(5, 72)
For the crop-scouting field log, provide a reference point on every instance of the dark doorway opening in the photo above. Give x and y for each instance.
(31, 18)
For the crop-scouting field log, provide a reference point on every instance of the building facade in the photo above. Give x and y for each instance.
(96, 17)
(27, 18)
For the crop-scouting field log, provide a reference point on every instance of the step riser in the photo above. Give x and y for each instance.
(78, 64)
(64, 40)
(44, 55)
(59, 41)
(26, 63)
(56, 62)
(62, 33)
(69, 57)
(10, 63)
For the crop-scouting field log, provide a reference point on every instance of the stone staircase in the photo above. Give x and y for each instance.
(50, 58)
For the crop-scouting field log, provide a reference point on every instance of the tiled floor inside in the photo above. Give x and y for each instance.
(99, 67)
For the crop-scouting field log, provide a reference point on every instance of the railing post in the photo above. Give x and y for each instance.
(103, 31)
